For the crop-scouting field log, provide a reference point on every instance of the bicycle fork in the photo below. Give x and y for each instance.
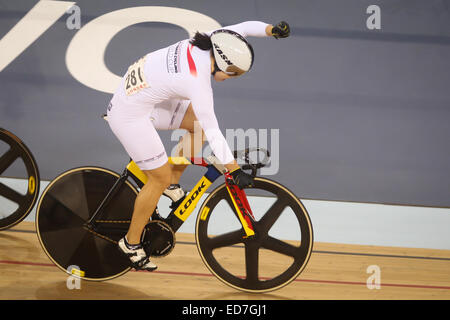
(240, 202)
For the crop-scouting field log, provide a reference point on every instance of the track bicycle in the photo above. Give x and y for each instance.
(85, 211)
(17, 165)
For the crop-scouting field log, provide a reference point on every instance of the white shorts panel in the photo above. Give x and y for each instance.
(169, 114)
(135, 126)
(139, 138)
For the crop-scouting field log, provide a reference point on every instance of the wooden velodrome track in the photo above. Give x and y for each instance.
(334, 272)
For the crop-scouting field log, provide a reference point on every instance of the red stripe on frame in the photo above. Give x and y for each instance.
(191, 62)
(199, 161)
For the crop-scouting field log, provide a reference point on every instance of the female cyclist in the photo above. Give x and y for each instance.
(169, 89)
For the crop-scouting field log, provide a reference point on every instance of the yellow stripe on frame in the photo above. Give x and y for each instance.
(179, 161)
(190, 202)
(134, 169)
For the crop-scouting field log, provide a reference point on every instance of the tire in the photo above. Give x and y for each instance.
(256, 273)
(20, 205)
(66, 204)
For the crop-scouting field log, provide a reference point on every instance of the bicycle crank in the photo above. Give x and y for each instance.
(159, 239)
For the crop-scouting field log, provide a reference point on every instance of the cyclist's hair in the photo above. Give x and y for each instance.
(202, 41)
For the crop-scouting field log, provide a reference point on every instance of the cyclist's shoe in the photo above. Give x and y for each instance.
(136, 254)
(176, 194)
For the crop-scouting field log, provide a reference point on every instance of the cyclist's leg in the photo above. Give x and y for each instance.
(191, 143)
(147, 199)
(132, 126)
(178, 114)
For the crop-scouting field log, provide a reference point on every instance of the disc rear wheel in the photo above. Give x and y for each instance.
(67, 204)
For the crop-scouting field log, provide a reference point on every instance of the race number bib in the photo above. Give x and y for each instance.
(135, 80)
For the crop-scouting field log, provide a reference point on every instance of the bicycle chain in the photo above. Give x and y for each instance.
(103, 236)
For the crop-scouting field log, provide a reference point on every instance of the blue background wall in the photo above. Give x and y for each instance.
(363, 114)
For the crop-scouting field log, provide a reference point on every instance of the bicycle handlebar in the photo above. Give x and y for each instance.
(245, 155)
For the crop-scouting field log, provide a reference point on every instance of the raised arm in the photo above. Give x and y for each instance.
(251, 29)
(261, 29)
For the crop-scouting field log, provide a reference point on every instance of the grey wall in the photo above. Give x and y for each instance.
(363, 114)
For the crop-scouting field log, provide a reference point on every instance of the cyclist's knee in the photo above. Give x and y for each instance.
(160, 176)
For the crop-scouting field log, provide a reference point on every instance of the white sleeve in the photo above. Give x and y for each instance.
(249, 28)
(203, 106)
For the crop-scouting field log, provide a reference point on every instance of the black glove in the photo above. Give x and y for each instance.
(281, 30)
(242, 179)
